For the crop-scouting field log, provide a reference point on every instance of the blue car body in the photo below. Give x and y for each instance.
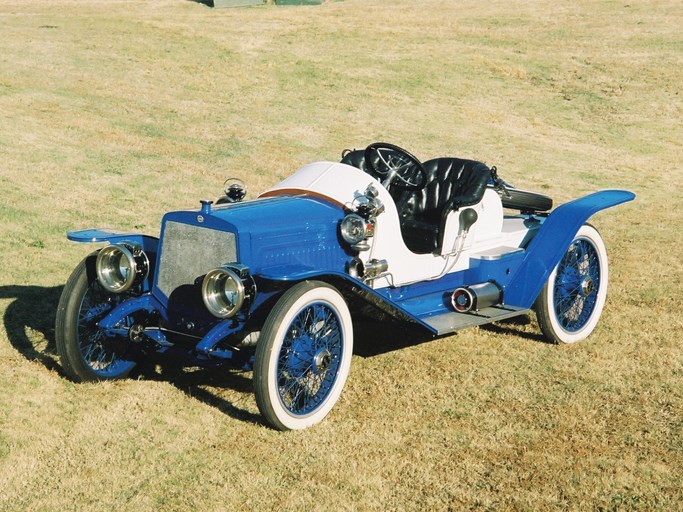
(280, 252)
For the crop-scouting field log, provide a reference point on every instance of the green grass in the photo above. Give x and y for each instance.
(112, 113)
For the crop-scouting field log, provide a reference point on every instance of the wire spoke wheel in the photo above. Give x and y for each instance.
(105, 356)
(85, 352)
(576, 285)
(309, 359)
(303, 356)
(571, 302)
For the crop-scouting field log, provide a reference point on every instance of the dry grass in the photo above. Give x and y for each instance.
(111, 113)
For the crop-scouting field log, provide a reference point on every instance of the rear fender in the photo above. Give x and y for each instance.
(546, 249)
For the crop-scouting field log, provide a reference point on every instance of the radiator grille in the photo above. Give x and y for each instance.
(188, 252)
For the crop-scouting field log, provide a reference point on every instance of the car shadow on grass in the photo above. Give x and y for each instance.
(516, 326)
(376, 337)
(372, 338)
(29, 322)
(204, 384)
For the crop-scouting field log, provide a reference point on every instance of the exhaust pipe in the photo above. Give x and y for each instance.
(476, 297)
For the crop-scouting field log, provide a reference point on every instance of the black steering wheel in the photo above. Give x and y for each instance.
(395, 166)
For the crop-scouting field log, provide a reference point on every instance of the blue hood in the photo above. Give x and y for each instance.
(278, 235)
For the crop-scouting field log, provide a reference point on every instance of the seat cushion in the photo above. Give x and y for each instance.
(420, 237)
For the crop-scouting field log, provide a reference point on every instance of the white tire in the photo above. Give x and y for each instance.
(303, 356)
(571, 302)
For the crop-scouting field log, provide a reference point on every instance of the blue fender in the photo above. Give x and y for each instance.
(149, 243)
(346, 284)
(546, 249)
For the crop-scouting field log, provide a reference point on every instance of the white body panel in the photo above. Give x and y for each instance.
(342, 183)
(339, 182)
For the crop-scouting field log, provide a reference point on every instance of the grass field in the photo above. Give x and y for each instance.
(113, 112)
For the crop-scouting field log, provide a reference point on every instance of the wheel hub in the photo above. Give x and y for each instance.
(136, 333)
(322, 361)
(300, 357)
(587, 286)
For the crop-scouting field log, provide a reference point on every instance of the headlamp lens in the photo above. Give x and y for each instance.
(117, 268)
(353, 229)
(223, 292)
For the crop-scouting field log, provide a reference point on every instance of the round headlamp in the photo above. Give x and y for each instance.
(223, 292)
(121, 265)
(354, 229)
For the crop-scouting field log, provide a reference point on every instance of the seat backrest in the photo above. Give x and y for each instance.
(451, 183)
(356, 158)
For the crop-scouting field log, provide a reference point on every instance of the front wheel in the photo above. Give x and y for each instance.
(85, 352)
(303, 356)
(569, 306)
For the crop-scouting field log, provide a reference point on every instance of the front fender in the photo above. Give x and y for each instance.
(547, 248)
(149, 244)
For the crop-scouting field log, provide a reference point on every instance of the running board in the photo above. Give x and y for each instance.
(453, 321)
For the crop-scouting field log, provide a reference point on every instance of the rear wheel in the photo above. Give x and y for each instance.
(85, 352)
(303, 356)
(569, 306)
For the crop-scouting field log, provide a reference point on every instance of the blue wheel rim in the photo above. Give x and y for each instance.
(577, 282)
(103, 355)
(309, 359)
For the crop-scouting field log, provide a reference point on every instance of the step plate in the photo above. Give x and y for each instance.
(453, 321)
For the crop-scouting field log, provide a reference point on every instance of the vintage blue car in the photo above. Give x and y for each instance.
(272, 284)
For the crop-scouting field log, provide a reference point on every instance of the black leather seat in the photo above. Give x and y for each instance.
(355, 158)
(452, 183)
